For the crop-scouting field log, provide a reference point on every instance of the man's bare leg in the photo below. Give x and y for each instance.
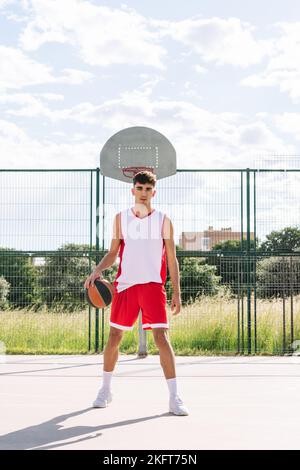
(166, 353)
(111, 351)
(167, 360)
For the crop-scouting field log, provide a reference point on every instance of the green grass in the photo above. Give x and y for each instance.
(209, 326)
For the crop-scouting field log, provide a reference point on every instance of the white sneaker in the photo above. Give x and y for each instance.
(104, 397)
(177, 407)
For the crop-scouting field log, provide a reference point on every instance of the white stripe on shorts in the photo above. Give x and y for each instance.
(121, 327)
(156, 325)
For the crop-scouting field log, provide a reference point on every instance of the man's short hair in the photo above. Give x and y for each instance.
(144, 177)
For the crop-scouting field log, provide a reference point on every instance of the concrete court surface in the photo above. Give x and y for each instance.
(234, 402)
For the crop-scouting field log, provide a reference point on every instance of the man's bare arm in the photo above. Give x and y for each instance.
(168, 236)
(109, 259)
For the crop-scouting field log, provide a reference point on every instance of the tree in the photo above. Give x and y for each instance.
(196, 278)
(235, 271)
(4, 291)
(278, 276)
(63, 275)
(285, 240)
(18, 271)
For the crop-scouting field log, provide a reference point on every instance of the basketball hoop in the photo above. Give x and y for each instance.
(131, 171)
(135, 149)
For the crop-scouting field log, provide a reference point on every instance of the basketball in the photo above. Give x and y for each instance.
(101, 294)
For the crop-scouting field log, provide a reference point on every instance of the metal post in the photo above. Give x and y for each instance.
(248, 263)
(292, 299)
(97, 253)
(283, 321)
(241, 267)
(255, 261)
(91, 247)
(238, 310)
(103, 235)
(241, 272)
(242, 320)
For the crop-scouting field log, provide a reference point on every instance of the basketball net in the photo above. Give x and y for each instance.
(131, 171)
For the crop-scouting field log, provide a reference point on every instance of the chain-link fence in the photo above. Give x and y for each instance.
(238, 245)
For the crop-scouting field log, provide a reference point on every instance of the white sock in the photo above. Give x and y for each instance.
(107, 376)
(172, 384)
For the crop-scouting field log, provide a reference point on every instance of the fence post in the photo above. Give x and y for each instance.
(103, 235)
(254, 264)
(97, 253)
(248, 248)
(91, 248)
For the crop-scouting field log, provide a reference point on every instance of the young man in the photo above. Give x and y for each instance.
(144, 237)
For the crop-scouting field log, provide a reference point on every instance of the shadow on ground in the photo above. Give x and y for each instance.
(51, 434)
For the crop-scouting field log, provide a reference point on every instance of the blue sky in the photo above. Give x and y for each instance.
(219, 78)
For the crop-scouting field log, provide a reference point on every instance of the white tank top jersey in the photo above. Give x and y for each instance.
(142, 251)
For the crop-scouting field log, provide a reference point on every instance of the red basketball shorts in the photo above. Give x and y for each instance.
(150, 298)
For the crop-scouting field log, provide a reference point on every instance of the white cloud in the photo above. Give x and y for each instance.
(102, 35)
(200, 70)
(289, 123)
(283, 67)
(33, 105)
(27, 98)
(75, 77)
(223, 41)
(203, 139)
(11, 132)
(5, 3)
(190, 91)
(19, 150)
(59, 134)
(29, 105)
(51, 96)
(18, 70)
(36, 105)
(25, 104)
(259, 135)
(9, 13)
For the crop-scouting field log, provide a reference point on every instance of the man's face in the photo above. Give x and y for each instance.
(143, 192)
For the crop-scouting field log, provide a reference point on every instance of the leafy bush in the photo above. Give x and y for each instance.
(196, 279)
(4, 291)
(21, 275)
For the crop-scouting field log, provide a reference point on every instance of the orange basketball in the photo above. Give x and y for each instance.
(101, 294)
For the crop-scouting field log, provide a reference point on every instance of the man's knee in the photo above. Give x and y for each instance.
(115, 335)
(160, 336)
